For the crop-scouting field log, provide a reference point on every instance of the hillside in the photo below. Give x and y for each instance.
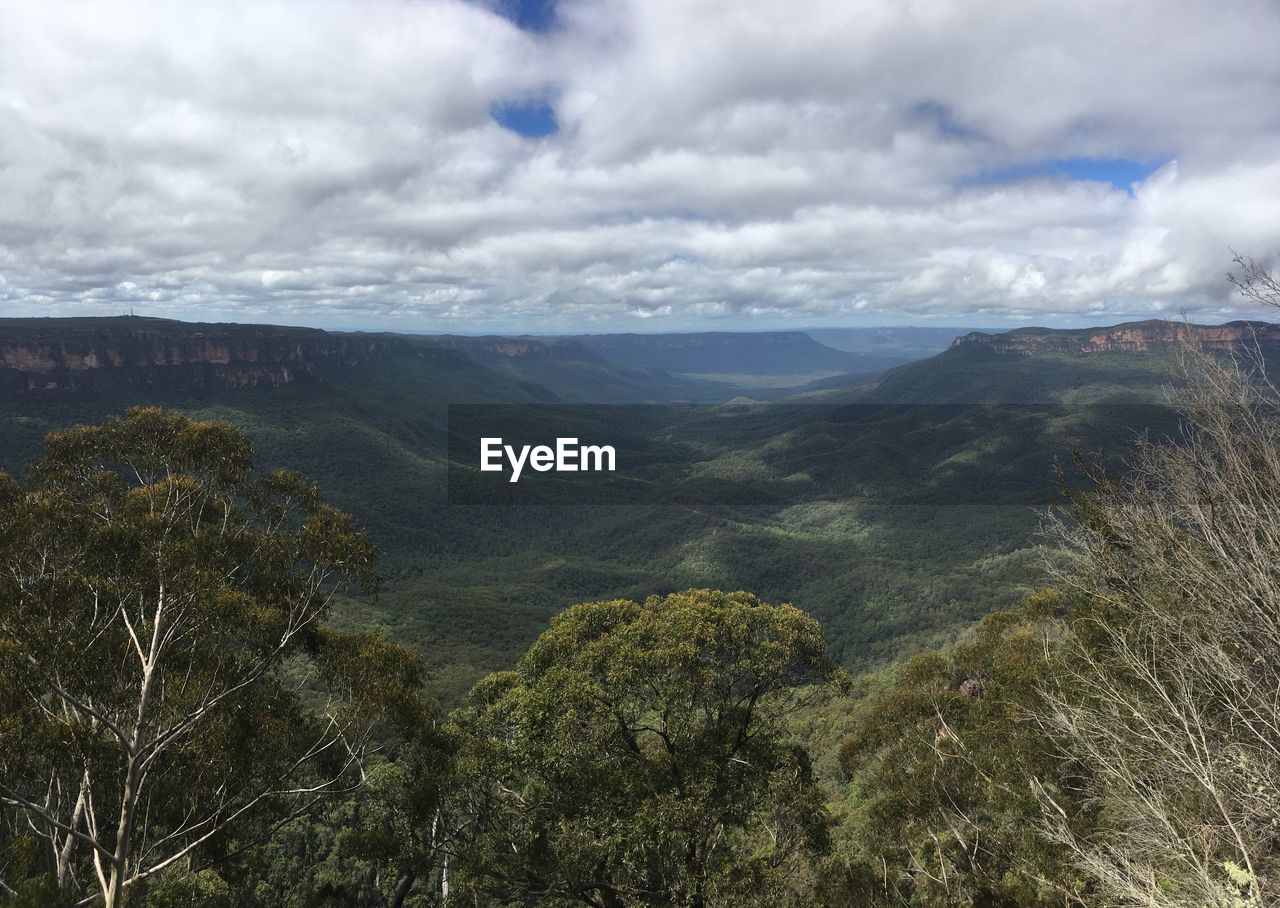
(80, 354)
(111, 354)
(906, 341)
(896, 513)
(574, 373)
(1128, 363)
(1152, 336)
(715, 354)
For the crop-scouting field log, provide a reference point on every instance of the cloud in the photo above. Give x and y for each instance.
(340, 162)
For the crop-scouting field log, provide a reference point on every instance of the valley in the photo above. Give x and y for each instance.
(897, 507)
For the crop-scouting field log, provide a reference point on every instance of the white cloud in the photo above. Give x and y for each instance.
(334, 162)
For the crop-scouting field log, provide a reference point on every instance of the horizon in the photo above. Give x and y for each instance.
(806, 329)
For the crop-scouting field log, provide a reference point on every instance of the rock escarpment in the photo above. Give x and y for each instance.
(104, 354)
(1133, 337)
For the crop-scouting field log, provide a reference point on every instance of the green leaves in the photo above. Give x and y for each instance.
(943, 764)
(638, 755)
(162, 643)
(149, 442)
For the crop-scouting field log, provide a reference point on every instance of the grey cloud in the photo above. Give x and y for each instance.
(334, 162)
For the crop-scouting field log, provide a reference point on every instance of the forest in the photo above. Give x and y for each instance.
(897, 514)
(193, 711)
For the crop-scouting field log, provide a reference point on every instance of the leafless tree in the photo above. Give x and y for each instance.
(1254, 281)
(1169, 689)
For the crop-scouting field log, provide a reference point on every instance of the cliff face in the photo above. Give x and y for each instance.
(109, 354)
(1134, 337)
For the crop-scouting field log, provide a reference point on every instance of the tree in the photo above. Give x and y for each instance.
(1255, 282)
(1168, 686)
(399, 826)
(945, 762)
(165, 672)
(638, 754)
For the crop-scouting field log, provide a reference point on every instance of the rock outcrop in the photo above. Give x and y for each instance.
(103, 354)
(1140, 337)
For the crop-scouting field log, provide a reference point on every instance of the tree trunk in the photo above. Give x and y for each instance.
(133, 772)
(64, 856)
(115, 887)
(402, 890)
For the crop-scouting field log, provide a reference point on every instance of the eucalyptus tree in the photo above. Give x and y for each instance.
(949, 772)
(639, 754)
(167, 677)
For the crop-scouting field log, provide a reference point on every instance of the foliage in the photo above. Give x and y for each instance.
(156, 603)
(1174, 656)
(949, 773)
(552, 796)
(852, 507)
(638, 755)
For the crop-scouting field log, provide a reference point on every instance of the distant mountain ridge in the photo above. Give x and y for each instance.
(911, 341)
(1154, 335)
(498, 345)
(132, 352)
(1131, 362)
(72, 354)
(128, 352)
(713, 352)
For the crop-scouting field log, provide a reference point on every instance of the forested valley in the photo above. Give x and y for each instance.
(1015, 674)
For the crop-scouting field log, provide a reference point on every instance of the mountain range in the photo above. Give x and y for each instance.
(896, 502)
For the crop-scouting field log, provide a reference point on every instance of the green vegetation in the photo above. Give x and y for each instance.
(638, 755)
(156, 601)
(975, 374)
(894, 526)
(178, 729)
(1108, 741)
(948, 774)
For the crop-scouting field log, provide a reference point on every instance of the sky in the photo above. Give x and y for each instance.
(559, 166)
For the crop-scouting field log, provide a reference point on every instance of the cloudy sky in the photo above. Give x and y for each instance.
(640, 165)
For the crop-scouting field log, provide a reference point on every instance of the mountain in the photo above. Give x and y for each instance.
(78, 354)
(108, 354)
(896, 511)
(724, 353)
(1153, 336)
(906, 341)
(128, 352)
(1128, 363)
(573, 372)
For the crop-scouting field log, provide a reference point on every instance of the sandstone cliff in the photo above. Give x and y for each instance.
(1142, 337)
(128, 352)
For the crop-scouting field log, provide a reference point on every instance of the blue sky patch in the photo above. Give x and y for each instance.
(943, 119)
(533, 120)
(1121, 173)
(529, 15)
